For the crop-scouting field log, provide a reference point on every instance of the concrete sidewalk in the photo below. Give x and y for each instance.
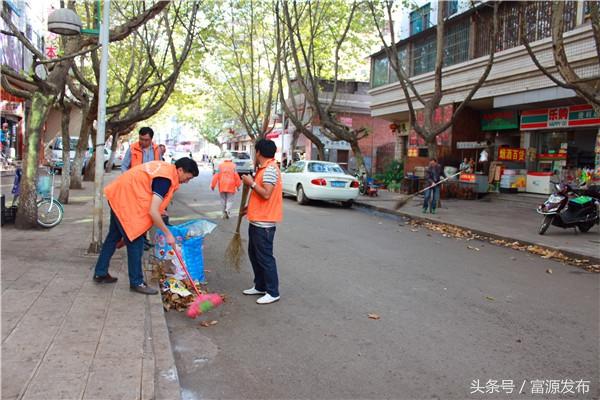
(506, 216)
(65, 337)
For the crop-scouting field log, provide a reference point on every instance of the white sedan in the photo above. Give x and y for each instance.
(319, 180)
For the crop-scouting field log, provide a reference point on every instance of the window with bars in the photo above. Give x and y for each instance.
(456, 43)
(423, 55)
(403, 63)
(380, 71)
(536, 17)
(419, 19)
(451, 8)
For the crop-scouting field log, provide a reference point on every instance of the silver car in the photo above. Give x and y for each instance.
(241, 159)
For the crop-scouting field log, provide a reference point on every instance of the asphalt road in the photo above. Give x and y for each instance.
(449, 315)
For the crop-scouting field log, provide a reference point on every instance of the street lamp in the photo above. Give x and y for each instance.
(64, 21)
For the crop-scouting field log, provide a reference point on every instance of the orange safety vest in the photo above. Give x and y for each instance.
(262, 210)
(130, 195)
(227, 178)
(137, 155)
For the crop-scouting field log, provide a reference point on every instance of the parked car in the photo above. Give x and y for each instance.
(53, 153)
(118, 160)
(319, 180)
(176, 155)
(241, 159)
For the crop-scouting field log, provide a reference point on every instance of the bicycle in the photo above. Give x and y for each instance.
(50, 210)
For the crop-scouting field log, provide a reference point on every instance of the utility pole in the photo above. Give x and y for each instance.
(96, 243)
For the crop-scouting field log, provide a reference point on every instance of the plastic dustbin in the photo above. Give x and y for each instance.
(190, 237)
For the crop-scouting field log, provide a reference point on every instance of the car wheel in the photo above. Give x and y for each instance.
(347, 203)
(300, 196)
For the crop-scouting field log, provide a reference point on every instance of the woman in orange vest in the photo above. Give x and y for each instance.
(264, 211)
(136, 200)
(229, 182)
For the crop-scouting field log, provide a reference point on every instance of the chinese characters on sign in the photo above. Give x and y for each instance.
(534, 386)
(558, 117)
(506, 154)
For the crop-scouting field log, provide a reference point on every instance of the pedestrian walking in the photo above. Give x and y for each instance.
(433, 174)
(136, 200)
(142, 151)
(264, 211)
(228, 181)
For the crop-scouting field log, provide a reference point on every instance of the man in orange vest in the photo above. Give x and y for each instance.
(136, 200)
(229, 182)
(143, 151)
(265, 209)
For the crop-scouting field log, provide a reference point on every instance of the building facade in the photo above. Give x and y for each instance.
(518, 115)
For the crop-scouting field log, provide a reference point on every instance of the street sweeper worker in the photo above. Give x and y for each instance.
(264, 211)
(136, 200)
(228, 181)
(433, 174)
(142, 151)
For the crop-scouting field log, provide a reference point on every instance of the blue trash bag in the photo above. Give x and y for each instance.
(189, 236)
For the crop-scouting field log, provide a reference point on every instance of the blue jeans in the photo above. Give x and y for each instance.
(435, 193)
(135, 250)
(260, 252)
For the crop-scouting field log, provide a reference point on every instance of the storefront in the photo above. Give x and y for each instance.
(12, 111)
(563, 138)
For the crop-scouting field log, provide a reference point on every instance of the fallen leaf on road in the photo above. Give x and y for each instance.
(414, 230)
(472, 248)
(374, 316)
(213, 322)
(549, 271)
(204, 324)
(518, 340)
(490, 298)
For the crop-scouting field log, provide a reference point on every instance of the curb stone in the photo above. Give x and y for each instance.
(593, 260)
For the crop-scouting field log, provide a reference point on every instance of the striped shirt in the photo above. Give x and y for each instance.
(271, 177)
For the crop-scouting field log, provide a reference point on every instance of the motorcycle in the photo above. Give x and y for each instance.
(366, 185)
(569, 207)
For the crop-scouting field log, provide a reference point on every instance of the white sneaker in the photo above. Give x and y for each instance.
(252, 290)
(267, 299)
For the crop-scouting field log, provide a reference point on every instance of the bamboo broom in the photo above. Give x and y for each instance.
(233, 254)
(403, 200)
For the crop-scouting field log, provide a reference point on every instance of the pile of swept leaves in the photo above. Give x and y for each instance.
(171, 301)
(460, 233)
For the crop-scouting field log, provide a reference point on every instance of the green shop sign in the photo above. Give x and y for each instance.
(499, 120)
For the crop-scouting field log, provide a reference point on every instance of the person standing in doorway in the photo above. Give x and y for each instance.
(5, 138)
(433, 174)
(228, 181)
(264, 211)
(142, 151)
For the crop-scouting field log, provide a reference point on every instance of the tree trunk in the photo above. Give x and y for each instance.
(320, 150)
(82, 148)
(113, 150)
(63, 196)
(358, 157)
(90, 168)
(27, 213)
(432, 148)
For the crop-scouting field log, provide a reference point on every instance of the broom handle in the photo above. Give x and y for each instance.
(437, 183)
(186, 270)
(245, 191)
